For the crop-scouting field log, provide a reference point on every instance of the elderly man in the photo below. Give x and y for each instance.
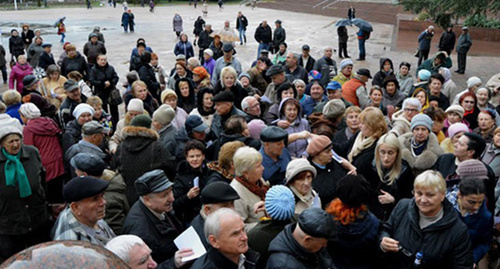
(224, 108)
(46, 58)
(275, 155)
(463, 45)
(293, 69)
(326, 66)
(303, 245)
(194, 128)
(306, 60)
(132, 250)
(251, 106)
(214, 196)
(355, 90)
(73, 98)
(257, 73)
(278, 77)
(93, 48)
(83, 218)
(97, 31)
(162, 123)
(152, 219)
(317, 96)
(334, 92)
(227, 60)
(424, 44)
(225, 231)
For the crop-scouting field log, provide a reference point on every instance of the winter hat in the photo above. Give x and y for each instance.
(334, 109)
(421, 120)
(65, 45)
(390, 78)
(255, 127)
(314, 75)
(346, 62)
(457, 128)
(244, 74)
(164, 115)
(93, 35)
(333, 86)
(318, 144)
(29, 111)
(166, 93)
(424, 75)
(472, 169)
(209, 52)
(457, 109)
(297, 166)
(352, 190)
(82, 108)
(280, 203)
(9, 126)
(141, 121)
(200, 71)
(473, 81)
(135, 104)
(29, 80)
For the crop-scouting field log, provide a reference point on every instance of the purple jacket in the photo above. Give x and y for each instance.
(298, 147)
(210, 65)
(17, 74)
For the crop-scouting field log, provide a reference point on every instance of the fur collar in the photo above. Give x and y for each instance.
(135, 131)
(427, 158)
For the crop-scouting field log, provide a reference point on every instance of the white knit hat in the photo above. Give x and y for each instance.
(82, 108)
(135, 104)
(473, 81)
(29, 111)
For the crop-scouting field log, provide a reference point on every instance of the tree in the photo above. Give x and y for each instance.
(443, 11)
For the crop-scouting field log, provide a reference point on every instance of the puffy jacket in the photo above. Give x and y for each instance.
(185, 48)
(92, 50)
(99, 75)
(72, 134)
(43, 133)
(16, 46)
(263, 34)
(379, 77)
(117, 206)
(78, 63)
(205, 39)
(17, 74)
(444, 244)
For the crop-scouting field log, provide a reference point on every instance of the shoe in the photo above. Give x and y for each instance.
(241, 43)
(347, 56)
(359, 59)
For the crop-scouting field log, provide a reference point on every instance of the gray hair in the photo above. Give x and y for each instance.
(123, 244)
(244, 159)
(193, 62)
(299, 81)
(244, 102)
(412, 102)
(212, 222)
(328, 48)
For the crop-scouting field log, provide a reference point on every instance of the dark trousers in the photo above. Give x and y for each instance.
(11, 244)
(362, 52)
(343, 49)
(202, 59)
(113, 110)
(4, 73)
(422, 56)
(462, 60)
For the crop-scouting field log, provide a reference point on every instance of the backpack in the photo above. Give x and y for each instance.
(367, 35)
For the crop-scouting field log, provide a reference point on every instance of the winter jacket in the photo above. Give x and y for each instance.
(221, 63)
(342, 33)
(205, 39)
(92, 50)
(327, 68)
(244, 205)
(447, 41)
(309, 105)
(429, 64)
(140, 152)
(147, 74)
(309, 65)
(217, 50)
(213, 259)
(19, 216)
(444, 244)
(241, 22)
(325, 182)
(72, 134)
(209, 66)
(186, 103)
(158, 234)
(263, 34)
(99, 75)
(285, 252)
(491, 157)
(186, 209)
(198, 224)
(218, 122)
(78, 63)
(184, 48)
(426, 159)
(150, 104)
(394, 100)
(260, 236)
(298, 147)
(177, 23)
(299, 73)
(405, 83)
(236, 89)
(16, 46)
(424, 40)
(34, 52)
(27, 36)
(2, 58)
(117, 206)
(464, 43)
(363, 159)
(46, 60)
(354, 91)
(400, 125)
(67, 108)
(379, 77)
(44, 134)
(360, 236)
(443, 101)
(167, 134)
(198, 26)
(279, 37)
(17, 74)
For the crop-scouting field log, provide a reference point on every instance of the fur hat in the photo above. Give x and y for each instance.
(164, 115)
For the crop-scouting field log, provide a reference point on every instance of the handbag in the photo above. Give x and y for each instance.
(115, 98)
(417, 53)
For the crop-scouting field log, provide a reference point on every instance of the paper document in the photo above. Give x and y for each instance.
(190, 239)
(196, 182)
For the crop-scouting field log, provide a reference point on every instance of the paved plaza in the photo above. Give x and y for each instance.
(316, 30)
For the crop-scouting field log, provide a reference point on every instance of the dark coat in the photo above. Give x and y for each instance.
(325, 182)
(99, 75)
(285, 252)
(141, 152)
(205, 39)
(241, 22)
(67, 108)
(361, 161)
(150, 104)
(379, 77)
(444, 244)
(261, 235)
(72, 134)
(213, 151)
(198, 224)
(279, 36)
(16, 46)
(480, 227)
(309, 64)
(185, 48)
(213, 259)
(2, 57)
(447, 41)
(198, 26)
(342, 33)
(75, 64)
(92, 50)
(147, 74)
(217, 50)
(186, 103)
(117, 206)
(46, 60)
(325, 67)
(28, 37)
(263, 34)
(186, 209)
(237, 90)
(158, 234)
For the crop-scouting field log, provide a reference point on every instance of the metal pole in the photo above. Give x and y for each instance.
(15, 4)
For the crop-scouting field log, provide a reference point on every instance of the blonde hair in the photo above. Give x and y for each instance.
(183, 83)
(374, 119)
(228, 70)
(138, 83)
(431, 179)
(94, 101)
(390, 140)
(245, 159)
(227, 152)
(11, 97)
(352, 109)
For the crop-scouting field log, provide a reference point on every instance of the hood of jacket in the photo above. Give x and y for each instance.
(137, 138)
(43, 126)
(282, 113)
(383, 60)
(191, 97)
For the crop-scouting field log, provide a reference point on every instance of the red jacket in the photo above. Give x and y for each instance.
(349, 90)
(17, 74)
(43, 133)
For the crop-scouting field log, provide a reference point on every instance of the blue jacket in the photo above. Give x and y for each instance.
(309, 104)
(480, 231)
(185, 48)
(424, 40)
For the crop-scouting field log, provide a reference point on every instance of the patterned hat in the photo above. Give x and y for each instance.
(280, 203)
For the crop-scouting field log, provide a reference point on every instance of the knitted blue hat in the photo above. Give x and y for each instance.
(421, 120)
(280, 203)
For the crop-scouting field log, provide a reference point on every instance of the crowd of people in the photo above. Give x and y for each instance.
(292, 162)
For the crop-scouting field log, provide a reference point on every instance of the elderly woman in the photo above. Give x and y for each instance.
(181, 71)
(401, 120)
(299, 177)
(455, 131)
(391, 179)
(184, 47)
(291, 120)
(486, 121)
(223, 168)
(285, 90)
(18, 72)
(468, 101)
(300, 87)
(249, 184)
(184, 88)
(404, 78)
(422, 96)
(450, 89)
(201, 78)
(169, 97)
(103, 79)
(52, 86)
(23, 214)
(140, 91)
(345, 73)
(426, 224)
(12, 100)
(134, 108)
(483, 96)
(420, 147)
(229, 82)
(83, 113)
(351, 116)
(491, 156)
(74, 62)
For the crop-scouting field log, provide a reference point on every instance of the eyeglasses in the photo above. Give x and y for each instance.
(411, 110)
(469, 102)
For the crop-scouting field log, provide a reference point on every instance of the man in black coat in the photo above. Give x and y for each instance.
(293, 69)
(46, 58)
(447, 40)
(306, 61)
(204, 41)
(343, 36)
(263, 36)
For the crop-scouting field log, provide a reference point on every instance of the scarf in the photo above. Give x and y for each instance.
(361, 143)
(469, 112)
(307, 199)
(417, 148)
(258, 188)
(14, 173)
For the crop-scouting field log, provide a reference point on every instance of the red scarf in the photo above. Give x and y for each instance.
(469, 112)
(256, 188)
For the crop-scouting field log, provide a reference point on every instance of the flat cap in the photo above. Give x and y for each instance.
(94, 127)
(274, 70)
(93, 35)
(317, 223)
(180, 57)
(306, 47)
(274, 134)
(29, 80)
(80, 188)
(218, 192)
(223, 96)
(278, 21)
(364, 72)
(152, 181)
(70, 85)
(227, 47)
(88, 163)
(44, 45)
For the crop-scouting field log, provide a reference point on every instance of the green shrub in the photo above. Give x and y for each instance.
(423, 16)
(480, 20)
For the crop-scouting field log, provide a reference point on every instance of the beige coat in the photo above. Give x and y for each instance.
(244, 205)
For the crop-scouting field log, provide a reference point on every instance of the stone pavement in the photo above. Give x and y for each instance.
(316, 30)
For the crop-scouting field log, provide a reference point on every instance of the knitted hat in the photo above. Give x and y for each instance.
(473, 81)
(333, 109)
(297, 166)
(135, 104)
(472, 169)
(314, 75)
(244, 74)
(352, 190)
(29, 111)
(9, 126)
(344, 63)
(424, 74)
(200, 71)
(141, 121)
(82, 108)
(457, 128)
(209, 52)
(29, 80)
(280, 203)
(255, 127)
(166, 93)
(318, 144)
(457, 109)
(421, 120)
(164, 115)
